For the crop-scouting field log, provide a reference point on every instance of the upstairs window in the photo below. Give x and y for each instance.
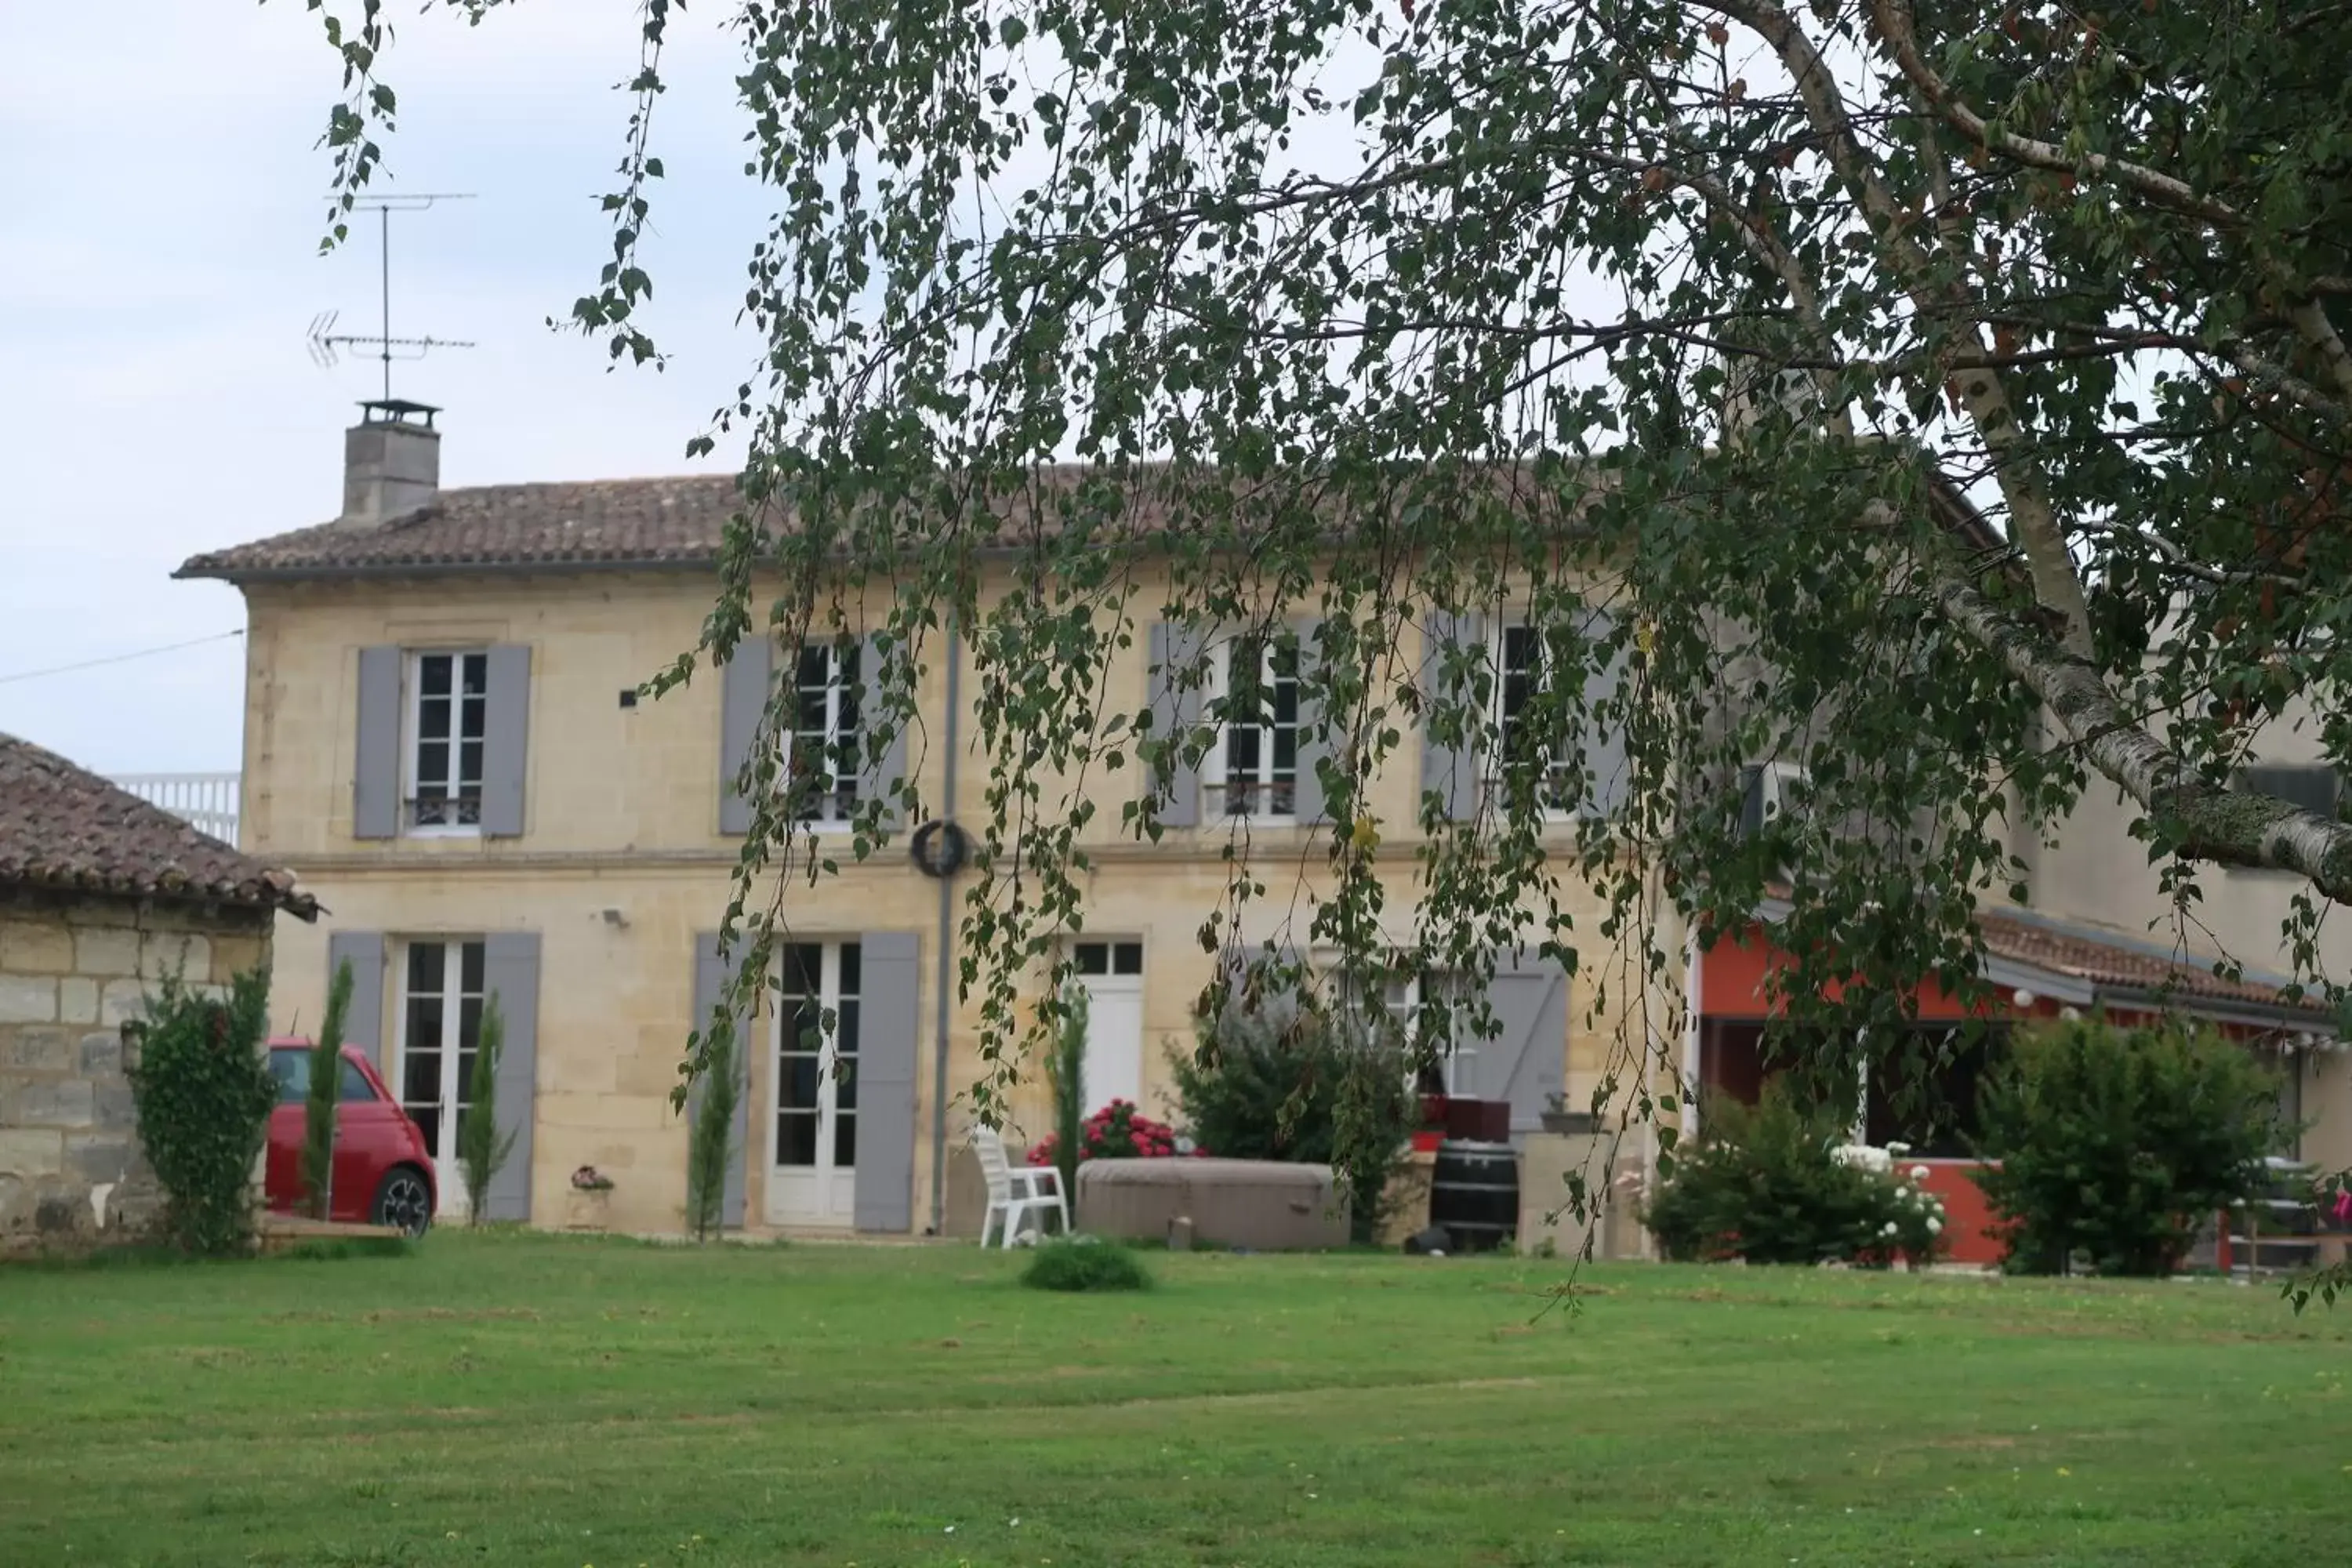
(822, 749)
(1252, 772)
(1534, 740)
(450, 710)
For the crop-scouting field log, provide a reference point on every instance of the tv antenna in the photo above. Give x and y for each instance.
(324, 339)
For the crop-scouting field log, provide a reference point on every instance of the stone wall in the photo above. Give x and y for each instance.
(72, 973)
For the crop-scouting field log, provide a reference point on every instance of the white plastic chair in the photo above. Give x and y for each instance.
(1016, 1192)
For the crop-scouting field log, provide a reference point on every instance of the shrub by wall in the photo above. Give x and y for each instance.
(2115, 1144)
(203, 1094)
(1283, 1082)
(1777, 1183)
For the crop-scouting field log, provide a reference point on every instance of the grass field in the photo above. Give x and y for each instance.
(520, 1400)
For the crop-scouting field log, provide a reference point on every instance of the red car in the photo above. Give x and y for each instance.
(383, 1169)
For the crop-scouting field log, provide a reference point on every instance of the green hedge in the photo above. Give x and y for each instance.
(203, 1094)
(2116, 1144)
(1770, 1184)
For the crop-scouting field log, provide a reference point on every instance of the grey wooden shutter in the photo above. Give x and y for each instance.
(744, 684)
(884, 777)
(1607, 765)
(506, 745)
(1751, 801)
(510, 973)
(1526, 1062)
(710, 977)
(1447, 771)
(890, 1025)
(375, 760)
(1175, 710)
(1314, 742)
(363, 1027)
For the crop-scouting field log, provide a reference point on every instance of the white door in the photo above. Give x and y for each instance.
(813, 1134)
(440, 1025)
(1112, 974)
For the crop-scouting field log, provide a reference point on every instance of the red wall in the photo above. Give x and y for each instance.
(1731, 985)
(1968, 1218)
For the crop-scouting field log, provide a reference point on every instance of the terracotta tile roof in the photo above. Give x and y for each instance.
(65, 827)
(2115, 964)
(671, 522)
(2118, 960)
(595, 522)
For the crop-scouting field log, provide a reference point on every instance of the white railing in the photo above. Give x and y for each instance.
(207, 802)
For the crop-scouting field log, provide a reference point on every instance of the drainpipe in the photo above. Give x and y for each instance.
(945, 941)
(1694, 1002)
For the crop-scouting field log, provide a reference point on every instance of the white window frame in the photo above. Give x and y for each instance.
(823, 1193)
(1401, 998)
(1214, 779)
(452, 1101)
(831, 814)
(412, 741)
(1497, 650)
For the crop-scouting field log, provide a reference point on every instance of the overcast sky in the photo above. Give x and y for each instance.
(159, 267)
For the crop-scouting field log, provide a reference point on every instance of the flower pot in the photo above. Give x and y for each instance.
(588, 1209)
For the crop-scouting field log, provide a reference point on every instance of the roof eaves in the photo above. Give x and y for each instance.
(201, 568)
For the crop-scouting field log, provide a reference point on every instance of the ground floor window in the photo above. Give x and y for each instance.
(1922, 1092)
(814, 1135)
(440, 1026)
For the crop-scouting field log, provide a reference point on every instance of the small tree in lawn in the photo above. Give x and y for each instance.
(326, 1080)
(1066, 1070)
(712, 1140)
(482, 1152)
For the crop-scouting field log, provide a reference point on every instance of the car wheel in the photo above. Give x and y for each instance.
(405, 1202)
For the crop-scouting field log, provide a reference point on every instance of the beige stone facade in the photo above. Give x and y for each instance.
(622, 864)
(75, 968)
(2096, 870)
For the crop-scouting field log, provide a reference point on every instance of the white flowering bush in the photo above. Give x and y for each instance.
(1775, 1185)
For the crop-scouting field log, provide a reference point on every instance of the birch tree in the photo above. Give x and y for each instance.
(1949, 397)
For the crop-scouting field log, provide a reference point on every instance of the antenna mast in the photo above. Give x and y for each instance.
(323, 338)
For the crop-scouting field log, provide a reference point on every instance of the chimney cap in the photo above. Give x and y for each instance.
(397, 411)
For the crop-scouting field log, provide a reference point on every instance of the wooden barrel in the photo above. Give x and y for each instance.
(1474, 1194)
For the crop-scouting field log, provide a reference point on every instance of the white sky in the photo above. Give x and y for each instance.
(158, 261)
(163, 198)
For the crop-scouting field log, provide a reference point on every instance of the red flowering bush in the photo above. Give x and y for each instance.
(1118, 1131)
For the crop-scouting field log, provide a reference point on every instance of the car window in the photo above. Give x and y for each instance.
(356, 1090)
(291, 1068)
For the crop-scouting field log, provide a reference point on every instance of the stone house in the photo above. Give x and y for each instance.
(100, 893)
(444, 739)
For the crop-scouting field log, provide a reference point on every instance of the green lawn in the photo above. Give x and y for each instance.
(512, 1400)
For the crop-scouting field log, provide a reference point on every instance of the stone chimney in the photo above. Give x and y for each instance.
(392, 460)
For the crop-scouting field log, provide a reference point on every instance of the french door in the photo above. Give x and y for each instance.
(813, 1134)
(440, 1026)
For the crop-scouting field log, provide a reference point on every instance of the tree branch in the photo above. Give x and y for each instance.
(1893, 20)
(2204, 821)
(1980, 391)
(2311, 319)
